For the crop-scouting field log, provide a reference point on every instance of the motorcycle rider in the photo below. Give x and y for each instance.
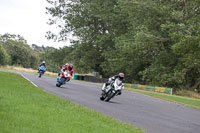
(111, 80)
(67, 67)
(42, 64)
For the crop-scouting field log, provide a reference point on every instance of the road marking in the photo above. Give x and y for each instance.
(29, 80)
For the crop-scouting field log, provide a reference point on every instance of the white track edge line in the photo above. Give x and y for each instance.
(29, 80)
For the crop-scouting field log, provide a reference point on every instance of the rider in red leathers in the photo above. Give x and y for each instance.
(67, 67)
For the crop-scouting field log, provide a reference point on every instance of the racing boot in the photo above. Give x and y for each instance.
(119, 93)
(103, 89)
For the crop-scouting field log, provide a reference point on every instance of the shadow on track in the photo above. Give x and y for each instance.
(112, 102)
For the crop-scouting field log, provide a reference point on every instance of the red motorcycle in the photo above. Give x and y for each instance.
(63, 78)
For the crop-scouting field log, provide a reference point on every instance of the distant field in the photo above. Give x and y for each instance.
(28, 109)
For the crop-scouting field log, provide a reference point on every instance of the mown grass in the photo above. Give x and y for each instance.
(25, 108)
(173, 98)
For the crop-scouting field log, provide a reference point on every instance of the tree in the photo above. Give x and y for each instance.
(91, 26)
(7, 36)
(19, 52)
(4, 57)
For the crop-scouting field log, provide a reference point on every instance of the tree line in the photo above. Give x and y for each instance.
(154, 42)
(14, 50)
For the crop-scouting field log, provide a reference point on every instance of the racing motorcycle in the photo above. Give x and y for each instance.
(63, 78)
(112, 90)
(41, 71)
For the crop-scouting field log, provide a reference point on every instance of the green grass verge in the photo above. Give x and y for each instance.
(25, 108)
(35, 73)
(173, 98)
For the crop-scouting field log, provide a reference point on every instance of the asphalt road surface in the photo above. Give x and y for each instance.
(153, 115)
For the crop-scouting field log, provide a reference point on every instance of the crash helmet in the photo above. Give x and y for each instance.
(121, 75)
(70, 67)
(43, 62)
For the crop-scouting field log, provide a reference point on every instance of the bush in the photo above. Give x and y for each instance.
(187, 93)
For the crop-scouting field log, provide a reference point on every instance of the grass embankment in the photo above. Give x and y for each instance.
(25, 108)
(173, 98)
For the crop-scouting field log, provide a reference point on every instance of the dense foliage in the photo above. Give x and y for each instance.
(15, 51)
(4, 57)
(153, 42)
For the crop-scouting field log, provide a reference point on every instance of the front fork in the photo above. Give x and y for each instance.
(105, 89)
(61, 80)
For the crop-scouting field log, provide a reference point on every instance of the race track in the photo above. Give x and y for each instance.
(153, 115)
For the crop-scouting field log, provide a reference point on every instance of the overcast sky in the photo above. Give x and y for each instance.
(28, 19)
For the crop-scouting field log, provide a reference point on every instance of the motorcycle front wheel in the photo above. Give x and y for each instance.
(58, 85)
(60, 81)
(110, 95)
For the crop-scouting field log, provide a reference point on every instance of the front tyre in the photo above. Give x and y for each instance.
(60, 81)
(110, 95)
(58, 85)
